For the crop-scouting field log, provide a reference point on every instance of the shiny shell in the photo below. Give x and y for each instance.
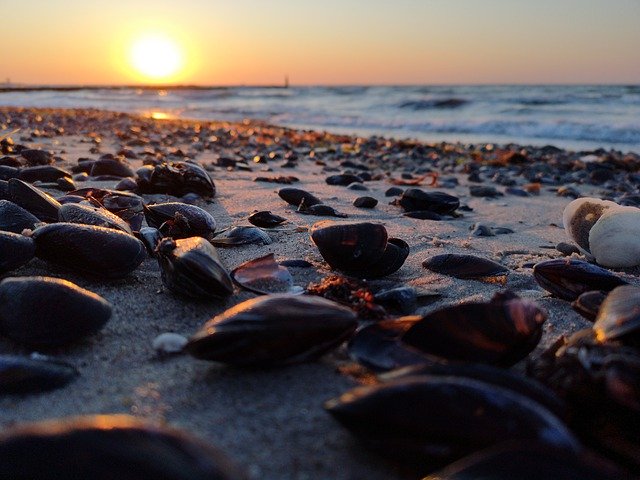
(263, 276)
(296, 196)
(265, 219)
(15, 251)
(87, 249)
(14, 218)
(19, 375)
(191, 267)
(242, 235)
(588, 304)
(464, 266)
(49, 312)
(178, 179)
(619, 316)
(274, 330)
(89, 215)
(34, 200)
(414, 199)
(180, 220)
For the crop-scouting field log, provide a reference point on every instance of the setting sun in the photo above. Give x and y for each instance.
(156, 57)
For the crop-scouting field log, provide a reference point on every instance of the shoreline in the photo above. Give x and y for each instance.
(271, 422)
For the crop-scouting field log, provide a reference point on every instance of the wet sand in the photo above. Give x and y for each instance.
(271, 421)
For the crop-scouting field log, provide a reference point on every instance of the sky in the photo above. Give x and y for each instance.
(335, 42)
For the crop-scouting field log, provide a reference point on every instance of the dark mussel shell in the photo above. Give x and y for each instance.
(34, 200)
(180, 220)
(500, 332)
(588, 304)
(43, 173)
(15, 251)
(569, 278)
(117, 167)
(529, 461)
(403, 299)
(320, 210)
(20, 375)
(89, 215)
(49, 312)
(414, 199)
(14, 218)
(128, 206)
(178, 179)
(343, 179)
(432, 420)
(97, 251)
(274, 330)
(359, 249)
(242, 235)
(264, 276)
(265, 219)
(296, 196)
(151, 238)
(464, 266)
(191, 267)
(619, 316)
(105, 447)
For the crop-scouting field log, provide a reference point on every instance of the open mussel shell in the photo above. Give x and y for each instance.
(126, 205)
(432, 420)
(180, 220)
(500, 332)
(264, 276)
(359, 249)
(529, 461)
(414, 199)
(34, 200)
(465, 266)
(19, 375)
(296, 196)
(89, 215)
(15, 250)
(49, 312)
(14, 218)
(104, 447)
(191, 267)
(588, 304)
(242, 235)
(87, 249)
(274, 330)
(569, 278)
(265, 219)
(619, 316)
(177, 179)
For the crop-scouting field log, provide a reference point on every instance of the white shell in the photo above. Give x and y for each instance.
(615, 238)
(169, 343)
(580, 215)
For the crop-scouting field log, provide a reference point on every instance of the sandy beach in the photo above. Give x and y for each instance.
(271, 422)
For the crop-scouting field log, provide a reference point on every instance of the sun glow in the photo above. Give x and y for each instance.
(156, 57)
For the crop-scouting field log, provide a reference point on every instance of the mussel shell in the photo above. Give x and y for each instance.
(343, 179)
(464, 266)
(150, 237)
(588, 304)
(105, 447)
(404, 299)
(414, 199)
(43, 173)
(433, 420)
(15, 251)
(117, 167)
(242, 235)
(265, 219)
(191, 267)
(97, 251)
(263, 276)
(619, 316)
(178, 179)
(20, 375)
(320, 210)
(34, 200)
(497, 332)
(193, 221)
(569, 278)
(89, 215)
(274, 330)
(296, 196)
(49, 312)
(128, 206)
(14, 218)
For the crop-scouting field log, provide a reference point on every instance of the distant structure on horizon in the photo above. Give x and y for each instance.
(286, 81)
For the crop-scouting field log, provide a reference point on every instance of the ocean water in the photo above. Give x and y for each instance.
(577, 117)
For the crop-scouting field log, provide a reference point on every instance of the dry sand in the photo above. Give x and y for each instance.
(271, 421)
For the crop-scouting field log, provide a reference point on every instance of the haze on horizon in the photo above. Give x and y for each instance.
(253, 42)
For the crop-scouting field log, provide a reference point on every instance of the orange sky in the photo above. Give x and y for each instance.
(329, 42)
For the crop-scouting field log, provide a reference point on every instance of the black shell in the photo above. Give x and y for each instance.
(498, 332)
(34, 200)
(191, 267)
(296, 196)
(464, 266)
(89, 215)
(265, 219)
(274, 330)
(619, 316)
(343, 179)
(151, 238)
(128, 206)
(43, 173)
(359, 249)
(15, 251)
(20, 375)
(263, 276)
(414, 199)
(180, 220)
(588, 304)
(117, 167)
(569, 278)
(241, 235)
(320, 210)
(97, 251)
(178, 179)
(49, 312)
(433, 420)
(106, 447)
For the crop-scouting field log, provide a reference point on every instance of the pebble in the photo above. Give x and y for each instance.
(169, 343)
(365, 202)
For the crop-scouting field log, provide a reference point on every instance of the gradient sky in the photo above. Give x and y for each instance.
(327, 42)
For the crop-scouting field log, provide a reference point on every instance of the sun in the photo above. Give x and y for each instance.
(156, 56)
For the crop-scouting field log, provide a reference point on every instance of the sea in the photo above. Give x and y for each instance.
(577, 117)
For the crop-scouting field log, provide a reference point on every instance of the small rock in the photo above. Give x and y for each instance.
(169, 343)
(365, 202)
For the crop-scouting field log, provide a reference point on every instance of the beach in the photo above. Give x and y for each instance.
(271, 421)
